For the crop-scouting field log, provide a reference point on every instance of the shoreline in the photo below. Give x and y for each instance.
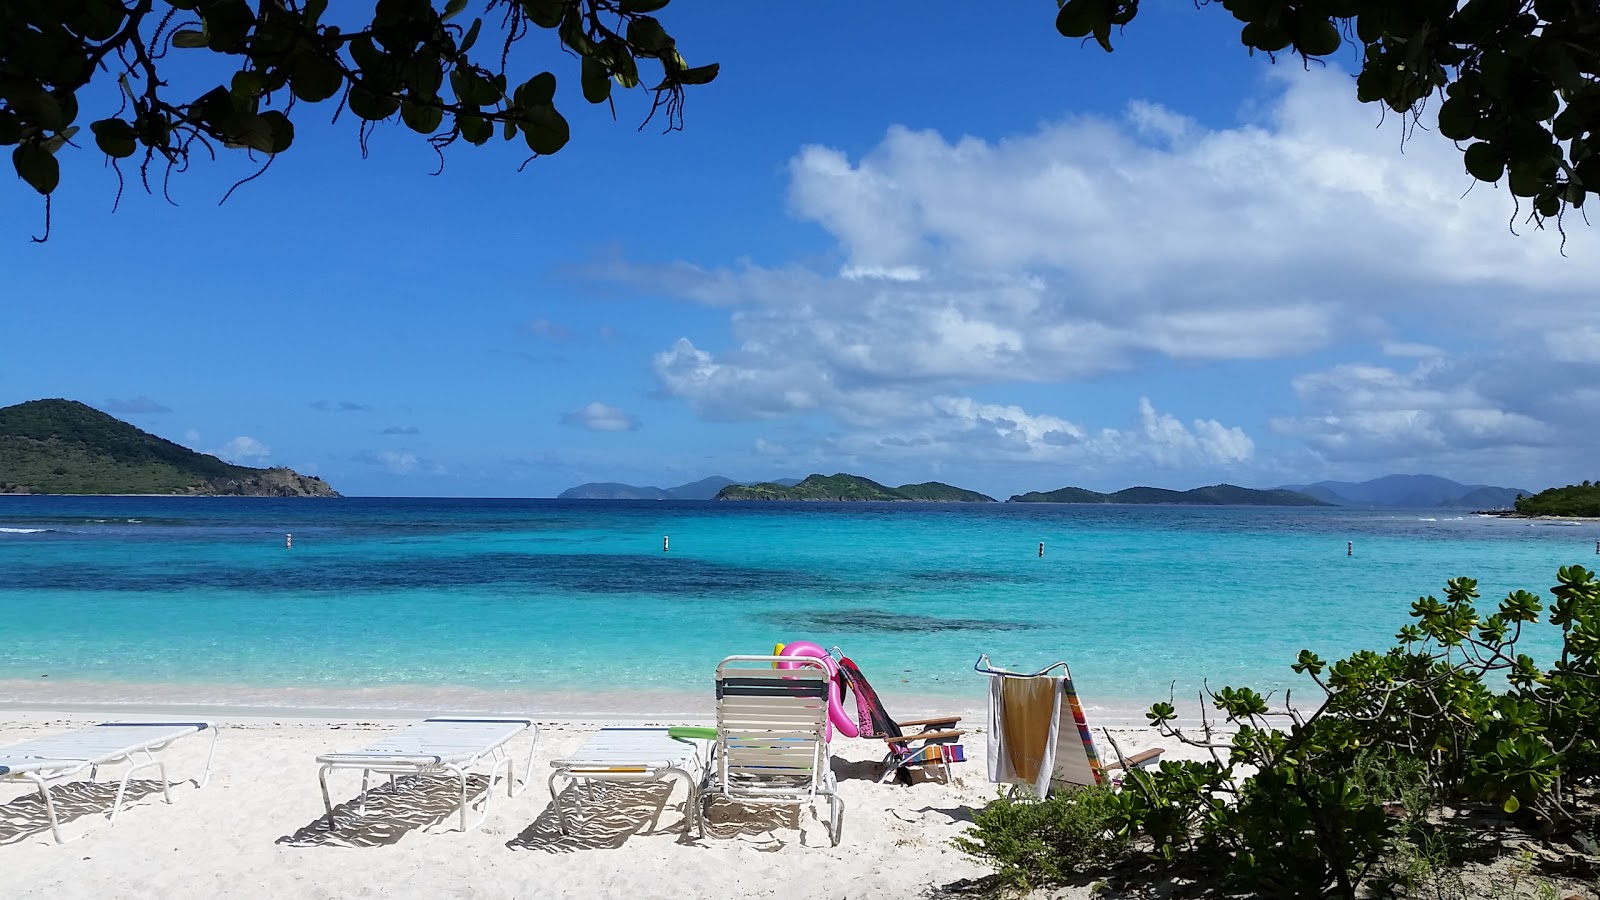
(114, 699)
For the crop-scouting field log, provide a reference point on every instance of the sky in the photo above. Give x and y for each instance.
(937, 242)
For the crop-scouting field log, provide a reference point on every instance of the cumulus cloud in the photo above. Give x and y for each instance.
(140, 405)
(1092, 246)
(599, 416)
(1475, 413)
(244, 450)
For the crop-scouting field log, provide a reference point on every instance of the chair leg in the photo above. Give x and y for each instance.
(327, 801)
(49, 805)
(555, 804)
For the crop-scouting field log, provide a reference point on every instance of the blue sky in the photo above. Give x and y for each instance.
(909, 242)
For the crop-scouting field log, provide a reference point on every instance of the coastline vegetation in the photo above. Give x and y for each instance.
(1574, 500)
(67, 447)
(1450, 750)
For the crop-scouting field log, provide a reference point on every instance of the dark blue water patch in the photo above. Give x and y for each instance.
(504, 572)
(953, 576)
(884, 622)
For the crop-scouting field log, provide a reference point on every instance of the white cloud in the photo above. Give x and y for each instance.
(244, 450)
(1440, 408)
(1091, 246)
(599, 416)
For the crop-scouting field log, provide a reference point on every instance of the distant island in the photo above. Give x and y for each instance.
(704, 489)
(1215, 495)
(1387, 492)
(1572, 501)
(1410, 492)
(854, 488)
(67, 447)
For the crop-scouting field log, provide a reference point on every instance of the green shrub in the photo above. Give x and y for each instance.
(1033, 842)
(1337, 801)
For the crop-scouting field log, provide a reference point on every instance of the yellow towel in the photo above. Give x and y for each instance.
(1027, 712)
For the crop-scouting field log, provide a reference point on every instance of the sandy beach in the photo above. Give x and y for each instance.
(256, 829)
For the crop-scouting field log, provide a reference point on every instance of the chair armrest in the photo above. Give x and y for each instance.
(1141, 758)
(923, 736)
(941, 720)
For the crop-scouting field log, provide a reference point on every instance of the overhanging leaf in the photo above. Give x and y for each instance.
(36, 166)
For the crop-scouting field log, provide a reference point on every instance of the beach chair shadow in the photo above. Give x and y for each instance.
(600, 817)
(856, 769)
(26, 816)
(727, 819)
(411, 803)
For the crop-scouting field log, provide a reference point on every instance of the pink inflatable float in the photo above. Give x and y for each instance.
(837, 717)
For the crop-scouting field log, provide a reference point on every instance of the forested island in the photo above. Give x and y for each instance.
(67, 447)
(1572, 501)
(844, 487)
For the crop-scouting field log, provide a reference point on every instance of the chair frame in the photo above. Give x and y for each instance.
(61, 761)
(455, 766)
(764, 715)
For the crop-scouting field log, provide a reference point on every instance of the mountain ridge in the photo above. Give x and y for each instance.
(1212, 495)
(1410, 492)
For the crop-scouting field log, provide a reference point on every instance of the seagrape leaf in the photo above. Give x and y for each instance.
(545, 130)
(648, 35)
(37, 166)
(188, 38)
(596, 81)
(643, 6)
(699, 74)
(115, 137)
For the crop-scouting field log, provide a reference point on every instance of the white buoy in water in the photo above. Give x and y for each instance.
(664, 543)
(288, 541)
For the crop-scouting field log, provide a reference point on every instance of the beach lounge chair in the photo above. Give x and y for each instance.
(62, 756)
(931, 746)
(771, 745)
(452, 747)
(632, 755)
(1039, 735)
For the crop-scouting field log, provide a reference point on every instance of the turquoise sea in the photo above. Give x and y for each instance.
(381, 602)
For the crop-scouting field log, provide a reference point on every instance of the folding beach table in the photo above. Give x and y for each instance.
(452, 747)
(634, 755)
(60, 756)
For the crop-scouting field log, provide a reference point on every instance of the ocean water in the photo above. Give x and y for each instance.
(386, 602)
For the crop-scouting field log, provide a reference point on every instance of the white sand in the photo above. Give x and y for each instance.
(254, 830)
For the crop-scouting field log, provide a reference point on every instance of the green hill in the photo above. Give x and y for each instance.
(848, 488)
(66, 447)
(939, 492)
(1572, 500)
(1215, 495)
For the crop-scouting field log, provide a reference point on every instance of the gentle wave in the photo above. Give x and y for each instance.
(4, 530)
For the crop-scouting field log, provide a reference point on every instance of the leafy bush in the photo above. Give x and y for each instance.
(1033, 842)
(1315, 805)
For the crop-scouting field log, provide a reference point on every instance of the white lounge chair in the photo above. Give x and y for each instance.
(61, 756)
(453, 747)
(772, 737)
(631, 755)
